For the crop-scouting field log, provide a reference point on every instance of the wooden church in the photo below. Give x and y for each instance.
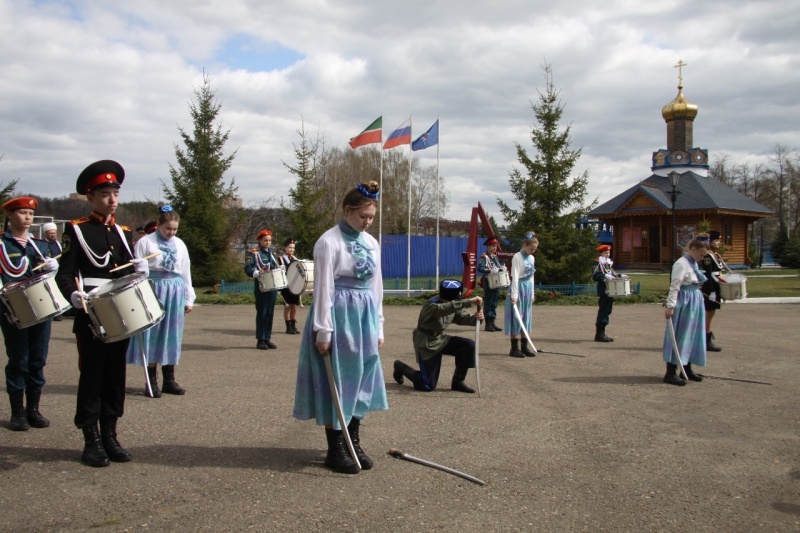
(641, 218)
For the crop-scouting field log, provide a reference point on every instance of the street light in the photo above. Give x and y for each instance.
(674, 178)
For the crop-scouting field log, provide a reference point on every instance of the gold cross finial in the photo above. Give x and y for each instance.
(680, 66)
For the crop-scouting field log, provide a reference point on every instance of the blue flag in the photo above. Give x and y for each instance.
(427, 139)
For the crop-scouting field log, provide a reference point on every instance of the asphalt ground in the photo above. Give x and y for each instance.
(563, 443)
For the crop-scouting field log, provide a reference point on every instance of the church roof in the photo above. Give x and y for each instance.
(697, 193)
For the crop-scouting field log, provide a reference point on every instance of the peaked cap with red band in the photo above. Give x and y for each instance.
(105, 173)
(490, 241)
(22, 202)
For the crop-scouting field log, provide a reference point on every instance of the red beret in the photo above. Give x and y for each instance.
(22, 202)
(263, 233)
(604, 248)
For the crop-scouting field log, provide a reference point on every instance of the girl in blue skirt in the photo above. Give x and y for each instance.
(520, 293)
(345, 323)
(685, 308)
(172, 281)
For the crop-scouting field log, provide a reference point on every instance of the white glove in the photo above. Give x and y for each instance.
(50, 264)
(77, 298)
(624, 276)
(609, 261)
(256, 273)
(609, 276)
(141, 265)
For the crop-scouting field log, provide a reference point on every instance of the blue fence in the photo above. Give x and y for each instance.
(394, 256)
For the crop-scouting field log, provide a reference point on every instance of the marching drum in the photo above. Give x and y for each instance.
(732, 286)
(301, 277)
(33, 300)
(123, 307)
(618, 287)
(498, 280)
(272, 280)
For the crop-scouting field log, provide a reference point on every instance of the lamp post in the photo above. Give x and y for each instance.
(674, 178)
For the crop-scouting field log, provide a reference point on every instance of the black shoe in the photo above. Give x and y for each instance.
(363, 458)
(153, 391)
(600, 335)
(515, 352)
(170, 385)
(32, 414)
(671, 377)
(114, 450)
(19, 422)
(271, 345)
(294, 327)
(338, 457)
(93, 452)
(710, 346)
(398, 372)
(262, 345)
(690, 373)
(460, 386)
(525, 351)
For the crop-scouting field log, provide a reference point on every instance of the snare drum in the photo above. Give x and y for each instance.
(123, 307)
(733, 286)
(33, 300)
(617, 288)
(301, 277)
(498, 280)
(272, 280)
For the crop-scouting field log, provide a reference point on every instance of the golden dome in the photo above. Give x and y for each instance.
(680, 107)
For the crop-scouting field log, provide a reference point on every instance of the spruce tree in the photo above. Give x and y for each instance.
(199, 193)
(551, 202)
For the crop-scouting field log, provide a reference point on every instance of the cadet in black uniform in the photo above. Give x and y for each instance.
(92, 246)
(431, 342)
(605, 303)
(712, 268)
(26, 348)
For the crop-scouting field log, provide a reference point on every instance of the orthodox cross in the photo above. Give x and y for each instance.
(680, 66)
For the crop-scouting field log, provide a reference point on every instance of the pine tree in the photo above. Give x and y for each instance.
(309, 216)
(551, 203)
(199, 193)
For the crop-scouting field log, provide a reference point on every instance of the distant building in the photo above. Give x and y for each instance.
(641, 217)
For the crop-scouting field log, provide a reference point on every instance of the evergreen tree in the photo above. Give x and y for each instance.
(199, 193)
(551, 204)
(308, 214)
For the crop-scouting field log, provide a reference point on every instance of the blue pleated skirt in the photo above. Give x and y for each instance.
(525, 306)
(355, 360)
(162, 342)
(689, 320)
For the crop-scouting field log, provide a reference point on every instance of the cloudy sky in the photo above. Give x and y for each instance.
(107, 79)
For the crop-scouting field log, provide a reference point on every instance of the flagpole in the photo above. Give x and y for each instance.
(438, 203)
(380, 200)
(408, 258)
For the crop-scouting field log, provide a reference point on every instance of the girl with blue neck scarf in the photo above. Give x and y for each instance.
(520, 293)
(170, 271)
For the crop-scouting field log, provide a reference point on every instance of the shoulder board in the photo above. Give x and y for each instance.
(254, 250)
(79, 220)
(125, 228)
(37, 239)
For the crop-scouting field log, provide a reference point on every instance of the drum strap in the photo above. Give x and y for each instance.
(14, 271)
(93, 257)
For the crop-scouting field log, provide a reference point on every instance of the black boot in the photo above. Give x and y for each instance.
(690, 374)
(710, 346)
(363, 458)
(600, 335)
(672, 377)
(458, 382)
(152, 373)
(525, 351)
(338, 457)
(488, 325)
(35, 418)
(18, 420)
(294, 327)
(170, 386)
(289, 327)
(115, 451)
(515, 349)
(93, 452)
(495, 326)
(398, 372)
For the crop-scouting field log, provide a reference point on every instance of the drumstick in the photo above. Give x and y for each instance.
(80, 288)
(129, 264)
(37, 267)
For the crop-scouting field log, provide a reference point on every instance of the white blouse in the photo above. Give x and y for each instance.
(517, 271)
(682, 274)
(148, 245)
(332, 260)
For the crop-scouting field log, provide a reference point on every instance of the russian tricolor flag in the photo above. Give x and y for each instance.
(400, 136)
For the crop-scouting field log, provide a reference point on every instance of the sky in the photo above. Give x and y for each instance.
(104, 79)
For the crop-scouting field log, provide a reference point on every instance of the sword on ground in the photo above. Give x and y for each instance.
(523, 328)
(477, 352)
(675, 348)
(337, 403)
(394, 452)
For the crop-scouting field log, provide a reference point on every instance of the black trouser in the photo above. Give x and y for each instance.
(605, 304)
(27, 355)
(459, 347)
(265, 311)
(101, 386)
